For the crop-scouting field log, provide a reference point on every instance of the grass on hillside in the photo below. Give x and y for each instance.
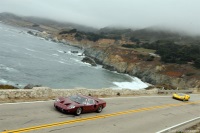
(145, 50)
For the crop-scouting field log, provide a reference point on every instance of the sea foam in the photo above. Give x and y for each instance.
(5, 68)
(136, 84)
(3, 81)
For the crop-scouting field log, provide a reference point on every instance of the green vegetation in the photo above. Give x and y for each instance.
(79, 36)
(145, 50)
(2, 86)
(129, 46)
(133, 39)
(171, 52)
(67, 31)
(92, 36)
(35, 25)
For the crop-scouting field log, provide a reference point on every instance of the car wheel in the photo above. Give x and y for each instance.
(78, 111)
(100, 108)
(63, 110)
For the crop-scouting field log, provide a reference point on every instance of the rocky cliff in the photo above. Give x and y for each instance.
(136, 64)
(140, 63)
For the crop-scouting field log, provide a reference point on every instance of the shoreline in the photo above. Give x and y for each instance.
(36, 35)
(154, 73)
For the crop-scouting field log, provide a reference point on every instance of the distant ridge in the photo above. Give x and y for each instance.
(150, 34)
(6, 17)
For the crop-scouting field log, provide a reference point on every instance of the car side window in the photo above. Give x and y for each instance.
(90, 101)
(84, 101)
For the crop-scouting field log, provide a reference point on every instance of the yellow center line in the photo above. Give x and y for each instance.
(97, 117)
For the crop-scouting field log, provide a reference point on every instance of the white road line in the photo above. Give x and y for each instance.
(26, 102)
(171, 128)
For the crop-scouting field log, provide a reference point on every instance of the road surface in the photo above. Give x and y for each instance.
(143, 114)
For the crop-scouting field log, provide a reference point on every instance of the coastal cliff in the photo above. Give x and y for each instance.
(141, 63)
(135, 64)
(105, 46)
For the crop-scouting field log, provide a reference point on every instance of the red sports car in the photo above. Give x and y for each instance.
(78, 104)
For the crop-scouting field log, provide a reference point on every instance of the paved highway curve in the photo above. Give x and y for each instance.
(145, 114)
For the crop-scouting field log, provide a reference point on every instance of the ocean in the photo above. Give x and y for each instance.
(26, 59)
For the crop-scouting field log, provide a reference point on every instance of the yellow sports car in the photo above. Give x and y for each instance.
(181, 96)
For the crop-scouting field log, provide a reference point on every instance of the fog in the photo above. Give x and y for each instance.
(173, 14)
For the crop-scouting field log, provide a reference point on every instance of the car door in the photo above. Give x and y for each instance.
(90, 106)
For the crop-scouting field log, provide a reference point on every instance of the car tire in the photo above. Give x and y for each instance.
(78, 111)
(63, 110)
(99, 109)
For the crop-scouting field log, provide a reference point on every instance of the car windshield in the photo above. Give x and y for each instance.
(78, 99)
(181, 94)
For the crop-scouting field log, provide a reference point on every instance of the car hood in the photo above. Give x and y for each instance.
(67, 101)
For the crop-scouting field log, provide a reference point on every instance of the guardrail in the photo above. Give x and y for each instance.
(174, 91)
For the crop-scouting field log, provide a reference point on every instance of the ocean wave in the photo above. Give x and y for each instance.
(3, 81)
(6, 82)
(61, 51)
(36, 57)
(62, 62)
(97, 67)
(136, 84)
(78, 61)
(5, 68)
(75, 52)
(69, 52)
(55, 54)
(30, 49)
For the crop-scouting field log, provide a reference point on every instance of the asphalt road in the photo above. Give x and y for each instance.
(145, 114)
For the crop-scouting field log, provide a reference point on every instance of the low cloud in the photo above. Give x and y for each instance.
(176, 14)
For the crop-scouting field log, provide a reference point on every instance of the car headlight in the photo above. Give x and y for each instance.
(71, 106)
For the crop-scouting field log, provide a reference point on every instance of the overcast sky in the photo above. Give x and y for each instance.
(178, 14)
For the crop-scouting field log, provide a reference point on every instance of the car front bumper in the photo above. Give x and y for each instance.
(63, 108)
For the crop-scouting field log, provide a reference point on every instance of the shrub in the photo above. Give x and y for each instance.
(79, 36)
(128, 46)
(171, 52)
(7, 87)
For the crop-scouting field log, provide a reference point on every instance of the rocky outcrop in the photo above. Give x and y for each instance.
(30, 86)
(89, 60)
(129, 61)
(74, 51)
(43, 34)
(30, 32)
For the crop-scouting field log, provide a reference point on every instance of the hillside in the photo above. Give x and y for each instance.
(35, 22)
(156, 56)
